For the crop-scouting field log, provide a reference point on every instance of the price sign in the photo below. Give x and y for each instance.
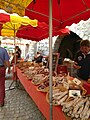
(76, 81)
(74, 93)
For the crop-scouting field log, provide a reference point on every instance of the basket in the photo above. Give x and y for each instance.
(53, 102)
(43, 90)
(46, 89)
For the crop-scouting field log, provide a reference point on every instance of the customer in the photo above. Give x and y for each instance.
(82, 60)
(27, 57)
(4, 62)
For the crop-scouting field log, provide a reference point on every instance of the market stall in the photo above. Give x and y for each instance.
(40, 98)
(30, 81)
(60, 20)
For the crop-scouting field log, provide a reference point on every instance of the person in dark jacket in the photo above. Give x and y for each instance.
(18, 52)
(38, 57)
(82, 60)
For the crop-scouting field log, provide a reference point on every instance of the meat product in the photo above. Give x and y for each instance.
(85, 110)
(80, 109)
(88, 114)
(62, 99)
(82, 101)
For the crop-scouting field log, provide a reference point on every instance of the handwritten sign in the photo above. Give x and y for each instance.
(76, 81)
(74, 93)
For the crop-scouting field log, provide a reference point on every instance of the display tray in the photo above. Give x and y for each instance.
(47, 99)
(56, 92)
(44, 86)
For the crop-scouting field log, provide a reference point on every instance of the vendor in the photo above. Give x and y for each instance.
(38, 57)
(82, 60)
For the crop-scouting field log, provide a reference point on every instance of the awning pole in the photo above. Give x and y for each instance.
(15, 45)
(15, 54)
(50, 58)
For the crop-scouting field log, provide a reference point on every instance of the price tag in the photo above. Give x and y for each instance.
(74, 93)
(76, 81)
(66, 85)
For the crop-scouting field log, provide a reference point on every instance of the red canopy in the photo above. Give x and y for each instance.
(39, 33)
(64, 12)
(34, 30)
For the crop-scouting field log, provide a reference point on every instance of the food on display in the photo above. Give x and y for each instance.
(78, 108)
(38, 78)
(58, 96)
(76, 105)
(44, 86)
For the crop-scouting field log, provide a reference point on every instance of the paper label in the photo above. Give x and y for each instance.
(74, 93)
(76, 81)
(66, 85)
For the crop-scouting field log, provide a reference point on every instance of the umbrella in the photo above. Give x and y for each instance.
(11, 23)
(36, 33)
(39, 33)
(24, 7)
(64, 12)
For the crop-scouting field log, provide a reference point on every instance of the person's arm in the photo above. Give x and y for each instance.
(76, 66)
(7, 64)
(27, 56)
(6, 61)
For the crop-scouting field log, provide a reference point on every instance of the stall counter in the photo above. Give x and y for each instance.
(40, 98)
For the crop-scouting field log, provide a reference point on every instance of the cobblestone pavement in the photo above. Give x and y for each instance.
(19, 106)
